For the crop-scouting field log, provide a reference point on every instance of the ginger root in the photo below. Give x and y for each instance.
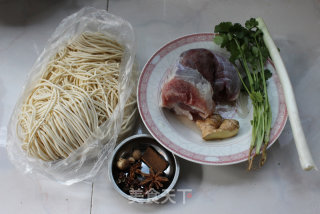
(215, 127)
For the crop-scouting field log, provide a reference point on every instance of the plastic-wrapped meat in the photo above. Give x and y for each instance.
(201, 60)
(216, 69)
(190, 85)
(226, 83)
(188, 93)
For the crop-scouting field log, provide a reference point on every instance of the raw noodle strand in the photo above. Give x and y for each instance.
(77, 93)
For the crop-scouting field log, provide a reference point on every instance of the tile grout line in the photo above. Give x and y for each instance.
(91, 201)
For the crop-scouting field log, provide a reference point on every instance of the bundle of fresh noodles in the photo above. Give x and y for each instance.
(79, 99)
(76, 94)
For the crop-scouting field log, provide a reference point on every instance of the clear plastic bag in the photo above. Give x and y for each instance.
(85, 162)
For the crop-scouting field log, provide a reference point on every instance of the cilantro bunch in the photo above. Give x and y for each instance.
(248, 51)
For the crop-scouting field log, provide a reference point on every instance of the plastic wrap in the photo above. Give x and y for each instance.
(85, 162)
(187, 92)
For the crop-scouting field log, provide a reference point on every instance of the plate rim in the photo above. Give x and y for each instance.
(186, 156)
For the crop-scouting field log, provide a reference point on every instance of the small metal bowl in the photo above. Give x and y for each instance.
(142, 142)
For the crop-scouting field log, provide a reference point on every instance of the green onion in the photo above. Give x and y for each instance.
(305, 157)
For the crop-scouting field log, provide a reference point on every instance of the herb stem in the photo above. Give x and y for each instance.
(248, 50)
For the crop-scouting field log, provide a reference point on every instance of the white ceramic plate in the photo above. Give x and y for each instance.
(180, 135)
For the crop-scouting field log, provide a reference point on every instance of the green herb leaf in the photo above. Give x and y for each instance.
(256, 97)
(255, 51)
(223, 27)
(251, 23)
(218, 39)
(267, 74)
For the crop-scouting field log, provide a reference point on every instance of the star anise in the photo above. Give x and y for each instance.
(153, 179)
(134, 169)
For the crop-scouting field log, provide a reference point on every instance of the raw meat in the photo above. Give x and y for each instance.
(226, 83)
(201, 60)
(189, 87)
(216, 69)
(188, 93)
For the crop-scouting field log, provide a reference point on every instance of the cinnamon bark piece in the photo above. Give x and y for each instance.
(154, 160)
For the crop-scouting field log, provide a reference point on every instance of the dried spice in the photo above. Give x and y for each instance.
(133, 181)
(153, 180)
(131, 160)
(122, 164)
(135, 169)
(154, 160)
(121, 178)
(136, 154)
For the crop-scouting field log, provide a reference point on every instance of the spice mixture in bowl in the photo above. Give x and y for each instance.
(142, 170)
